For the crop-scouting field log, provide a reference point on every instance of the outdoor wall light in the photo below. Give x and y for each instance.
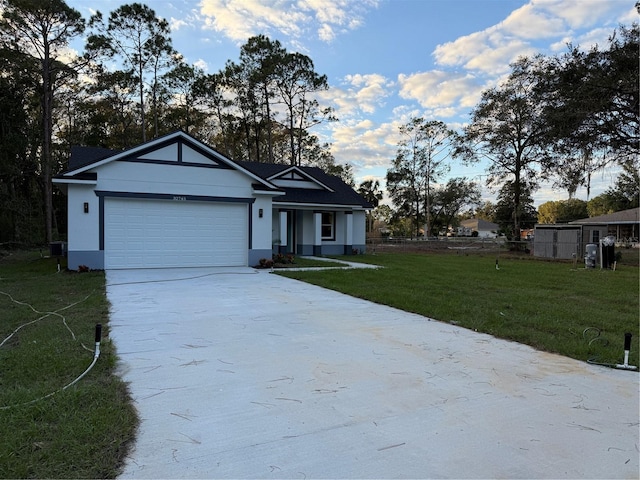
(86, 207)
(260, 213)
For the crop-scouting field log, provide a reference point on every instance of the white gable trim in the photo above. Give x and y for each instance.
(73, 181)
(163, 144)
(297, 174)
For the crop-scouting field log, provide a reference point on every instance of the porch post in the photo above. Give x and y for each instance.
(283, 232)
(317, 233)
(348, 233)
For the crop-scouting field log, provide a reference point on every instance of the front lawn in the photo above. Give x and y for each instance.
(47, 337)
(85, 430)
(579, 313)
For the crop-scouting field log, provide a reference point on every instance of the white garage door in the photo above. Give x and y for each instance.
(157, 233)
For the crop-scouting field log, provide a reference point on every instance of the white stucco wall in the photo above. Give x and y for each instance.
(173, 179)
(306, 232)
(359, 228)
(161, 174)
(262, 227)
(160, 179)
(83, 227)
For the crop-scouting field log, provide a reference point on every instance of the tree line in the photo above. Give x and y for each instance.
(130, 85)
(558, 118)
(561, 118)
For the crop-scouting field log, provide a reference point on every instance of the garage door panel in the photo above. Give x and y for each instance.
(155, 233)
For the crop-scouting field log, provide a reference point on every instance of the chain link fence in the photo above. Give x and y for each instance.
(627, 253)
(447, 244)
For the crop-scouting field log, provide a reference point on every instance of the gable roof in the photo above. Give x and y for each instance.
(331, 191)
(335, 192)
(93, 157)
(84, 159)
(624, 216)
(479, 224)
(295, 173)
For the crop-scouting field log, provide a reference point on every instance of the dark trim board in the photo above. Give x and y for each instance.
(217, 160)
(175, 197)
(250, 226)
(175, 164)
(328, 194)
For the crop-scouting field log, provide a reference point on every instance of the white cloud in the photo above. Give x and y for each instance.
(327, 11)
(577, 14)
(495, 61)
(176, 24)
(358, 93)
(326, 33)
(461, 50)
(241, 19)
(597, 36)
(629, 17)
(438, 89)
(490, 51)
(202, 64)
(365, 144)
(585, 41)
(531, 22)
(561, 45)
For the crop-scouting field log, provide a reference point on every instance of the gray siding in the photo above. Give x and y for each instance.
(557, 242)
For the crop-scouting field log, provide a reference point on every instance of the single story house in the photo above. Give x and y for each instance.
(566, 240)
(484, 228)
(623, 225)
(176, 202)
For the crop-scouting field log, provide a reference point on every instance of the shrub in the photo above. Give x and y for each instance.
(265, 263)
(282, 259)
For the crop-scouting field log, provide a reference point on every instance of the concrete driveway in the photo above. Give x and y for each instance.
(239, 373)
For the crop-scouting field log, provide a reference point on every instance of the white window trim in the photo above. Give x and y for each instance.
(332, 225)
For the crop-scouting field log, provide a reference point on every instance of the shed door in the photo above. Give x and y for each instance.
(143, 233)
(568, 244)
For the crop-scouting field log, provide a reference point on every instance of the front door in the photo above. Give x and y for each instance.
(291, 231)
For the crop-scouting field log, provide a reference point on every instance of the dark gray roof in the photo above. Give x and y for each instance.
(624, 216)
(82, 156)
(342, 193)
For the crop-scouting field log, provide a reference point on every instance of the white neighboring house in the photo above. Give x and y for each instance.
(176, 202)
(484, 228)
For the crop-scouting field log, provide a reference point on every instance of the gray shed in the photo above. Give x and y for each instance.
(565, 240)
(557, 241)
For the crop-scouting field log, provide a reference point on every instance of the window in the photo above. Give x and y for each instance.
(595, 236)
(328, 226)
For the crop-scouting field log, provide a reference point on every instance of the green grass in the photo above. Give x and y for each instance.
(629, 256)
(548, 305)
(85, 430)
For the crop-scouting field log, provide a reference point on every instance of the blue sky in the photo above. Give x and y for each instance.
(389, 60)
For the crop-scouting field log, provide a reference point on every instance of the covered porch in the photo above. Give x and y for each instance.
(309, 231)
